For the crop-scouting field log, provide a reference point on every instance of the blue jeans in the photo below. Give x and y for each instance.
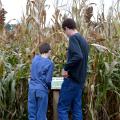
(70, 100)
(37, 104)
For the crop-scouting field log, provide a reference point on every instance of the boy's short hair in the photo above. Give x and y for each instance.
(44, 48)
(69, 23)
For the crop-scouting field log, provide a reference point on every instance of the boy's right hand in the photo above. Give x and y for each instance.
(64, 73)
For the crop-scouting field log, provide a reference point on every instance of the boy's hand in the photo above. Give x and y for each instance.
(65, 73)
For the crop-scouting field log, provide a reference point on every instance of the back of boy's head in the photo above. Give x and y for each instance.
(44, 48)
(69, 23)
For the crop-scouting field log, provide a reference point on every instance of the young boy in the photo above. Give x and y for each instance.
(40, 83)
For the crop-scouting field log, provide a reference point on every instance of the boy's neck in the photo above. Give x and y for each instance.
(44, 55)
(73, 32)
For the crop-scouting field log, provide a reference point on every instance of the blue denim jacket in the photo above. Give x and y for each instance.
(41, 73)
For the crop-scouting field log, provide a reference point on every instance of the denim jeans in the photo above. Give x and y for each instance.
(37, 104)
(70, 100)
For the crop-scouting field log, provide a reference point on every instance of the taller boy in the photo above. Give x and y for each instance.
(74, 73)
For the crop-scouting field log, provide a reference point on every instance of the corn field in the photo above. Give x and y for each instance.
(101, 99)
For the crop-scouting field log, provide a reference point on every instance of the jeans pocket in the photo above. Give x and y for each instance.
(67, 85)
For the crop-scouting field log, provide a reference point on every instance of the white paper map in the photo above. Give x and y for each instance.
(56, 83)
